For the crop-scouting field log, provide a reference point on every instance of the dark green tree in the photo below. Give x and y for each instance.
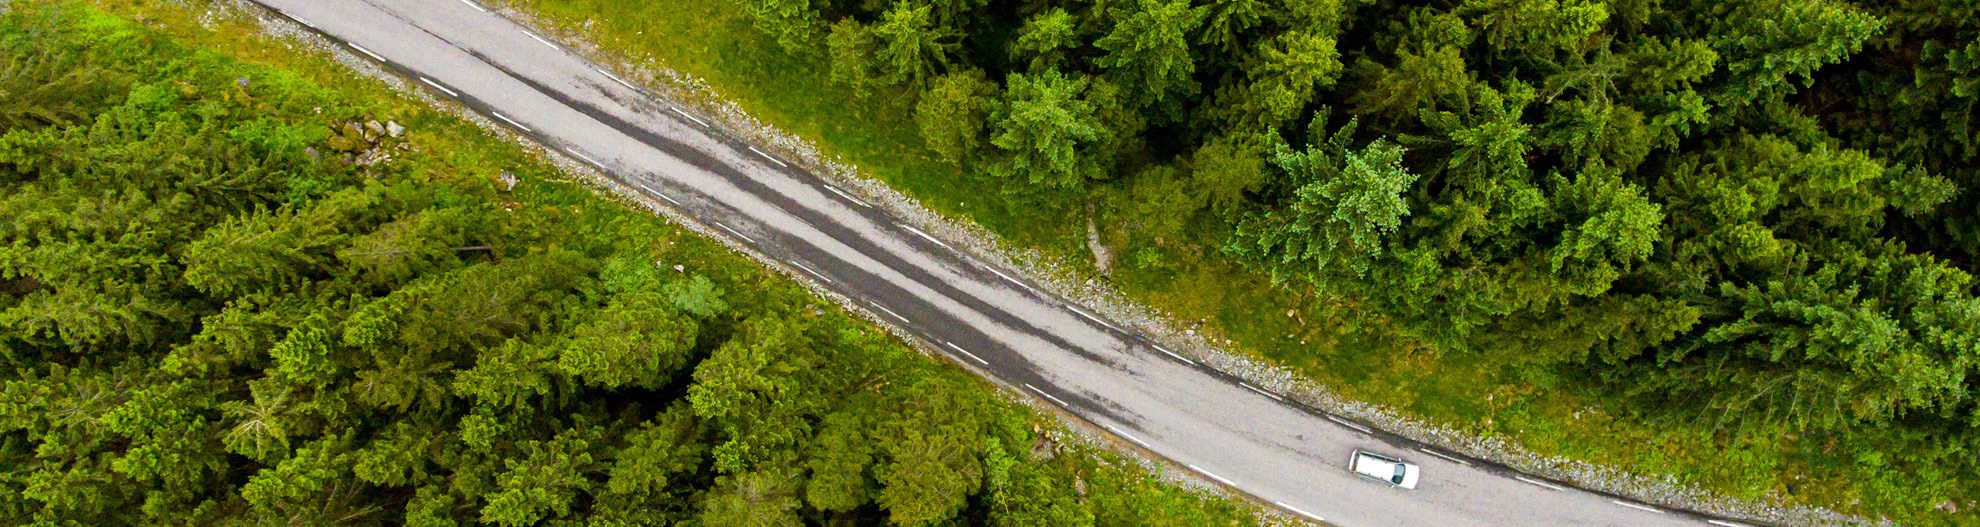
(1148, 49)
(913, 47)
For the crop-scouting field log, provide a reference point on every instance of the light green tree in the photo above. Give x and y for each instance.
(1046, 130)
(794, 24)
(1341, 222)
(953, 112)
(1045, 39)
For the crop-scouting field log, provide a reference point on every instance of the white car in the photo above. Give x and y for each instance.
(1395, 472)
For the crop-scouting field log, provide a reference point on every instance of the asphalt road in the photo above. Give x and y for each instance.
(1001, 327)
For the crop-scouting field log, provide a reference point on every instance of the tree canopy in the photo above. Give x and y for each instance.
(229, 295)
(1756, 217)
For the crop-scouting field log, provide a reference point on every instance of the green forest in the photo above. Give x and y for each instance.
(240, 286)
(1752, 218)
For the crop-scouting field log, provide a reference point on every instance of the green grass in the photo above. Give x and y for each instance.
(1352, 352)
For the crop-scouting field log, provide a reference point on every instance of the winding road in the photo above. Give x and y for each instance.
(987, 319)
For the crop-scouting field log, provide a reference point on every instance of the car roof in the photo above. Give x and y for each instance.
(1378, 457)
(1375, 465)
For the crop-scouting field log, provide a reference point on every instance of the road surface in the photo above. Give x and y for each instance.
(986, 319)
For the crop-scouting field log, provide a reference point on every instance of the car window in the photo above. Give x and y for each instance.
(1399, 475)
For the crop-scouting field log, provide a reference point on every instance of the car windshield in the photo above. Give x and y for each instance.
(1399, 474)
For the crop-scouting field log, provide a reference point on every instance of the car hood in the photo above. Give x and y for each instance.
(1409, 476)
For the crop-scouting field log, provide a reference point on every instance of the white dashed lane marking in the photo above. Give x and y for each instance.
(1125, 435)
(1535, 482)
(1007, 278)
(437, 86)
(512, 122)
(849, 197)
(889, 312)
(593, 162)
(972, 356)
(615, 78)
(374, 56)
(813, 273)
(1274, 396)
(690, 117)
(1220, 479)
(767, 156)
(1095, 319)
(1047, 395)
(925, 236)
(1637, 507)
(745, 237)
(539, 38)
(477, 7)
(649, 190)
(1171, 354)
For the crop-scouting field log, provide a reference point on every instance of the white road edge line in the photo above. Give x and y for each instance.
(1637, 507)
(1296, 510)
(1007, 278)
(512, 122)
(1200, 470)
(923, 235)
(361, 49)
(1453, 459)
(690, 117)
(849, 197)
(972, 356)
(1726, 523)
(1171, 354)
(769, 157)
(1047, 395)
(1350, 424)
(891, 312)
(1095, 319)
(477, 7)
(539, 38)
(725, 227)
(615, 78)
(301, 20)
(593, 162)
(1532, 481)
(1125, 435)
(437, 86)
(813, 273)
(649, 190)
(1261, 391)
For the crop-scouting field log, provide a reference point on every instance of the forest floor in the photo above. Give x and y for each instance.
(1351, 354)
